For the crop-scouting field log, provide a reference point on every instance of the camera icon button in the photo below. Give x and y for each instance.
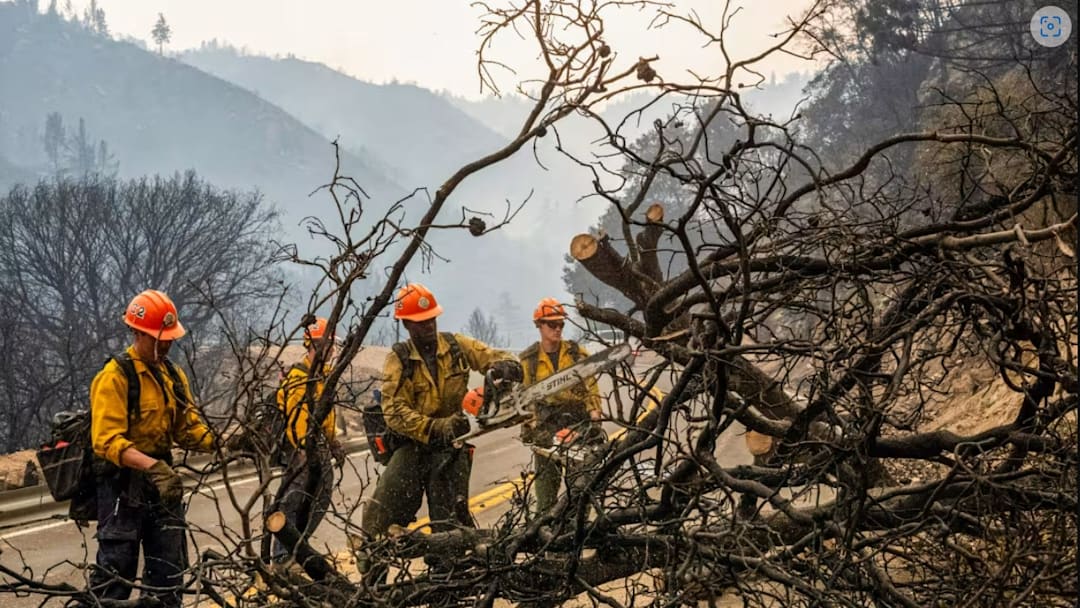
(1051, 26)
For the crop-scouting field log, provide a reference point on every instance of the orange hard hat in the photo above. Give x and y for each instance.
(549, 309)
(473, 401)
(153, 313)
(315, 331)
(416, 303)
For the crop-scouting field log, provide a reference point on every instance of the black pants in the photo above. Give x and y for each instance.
(413, 471)
(131, 515)
(303, 504)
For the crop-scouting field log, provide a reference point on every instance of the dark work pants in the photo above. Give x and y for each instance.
(548, 472)
(303, 509)
(546, 483)
(127, 518)
(413, 471)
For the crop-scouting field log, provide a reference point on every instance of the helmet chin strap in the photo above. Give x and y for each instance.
(157, 340)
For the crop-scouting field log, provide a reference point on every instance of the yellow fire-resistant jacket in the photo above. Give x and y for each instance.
(410, 404)
(291, 401)
(583, 394)
(159, 425)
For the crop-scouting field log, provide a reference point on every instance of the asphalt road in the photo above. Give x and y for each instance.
(57, 550)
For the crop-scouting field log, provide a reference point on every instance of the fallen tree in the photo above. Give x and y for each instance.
(820, 302)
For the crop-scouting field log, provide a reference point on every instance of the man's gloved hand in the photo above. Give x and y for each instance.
(507, 371)
(445, 430)
(169, 485)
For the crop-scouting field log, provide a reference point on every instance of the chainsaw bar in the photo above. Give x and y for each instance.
(514, 407)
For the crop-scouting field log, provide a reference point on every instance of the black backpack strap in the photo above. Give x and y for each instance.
(457, 357)
(127, 365)
(574, 351)
(401, 349)
(179, 390)
(408, 364)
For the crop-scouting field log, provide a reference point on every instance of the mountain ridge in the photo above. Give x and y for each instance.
(158, 115)
(438, 138)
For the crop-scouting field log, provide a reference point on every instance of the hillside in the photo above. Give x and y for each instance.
(156, 114)
(422, 138)
(416, 132)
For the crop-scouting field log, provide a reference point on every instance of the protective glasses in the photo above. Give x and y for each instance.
(554, 324)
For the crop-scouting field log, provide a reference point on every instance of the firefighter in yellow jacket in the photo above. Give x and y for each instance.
(139, 495)
(424, 381)
(570, 407)
(305, 509)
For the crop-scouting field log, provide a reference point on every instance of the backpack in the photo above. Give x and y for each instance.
(382, 441)
(68, 461)
(267, 424)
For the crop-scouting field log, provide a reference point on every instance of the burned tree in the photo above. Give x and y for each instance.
(832, 303)
(829, 303)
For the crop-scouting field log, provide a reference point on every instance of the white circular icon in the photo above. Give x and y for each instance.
(1051, 26)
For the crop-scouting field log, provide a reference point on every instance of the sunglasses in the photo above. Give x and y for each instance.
(553, 324)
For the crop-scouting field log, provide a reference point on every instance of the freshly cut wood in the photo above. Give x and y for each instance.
(759, 444)
(649, 263)
(314, 564)
(275, 521)
(583, 247)
(608, 266)
(655, 213)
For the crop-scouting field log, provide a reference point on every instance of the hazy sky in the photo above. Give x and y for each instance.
(430, 42)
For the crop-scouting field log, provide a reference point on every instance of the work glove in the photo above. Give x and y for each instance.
(507, 371)
(169, 485)
(445, 430)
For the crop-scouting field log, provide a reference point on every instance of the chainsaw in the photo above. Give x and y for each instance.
(495, 406)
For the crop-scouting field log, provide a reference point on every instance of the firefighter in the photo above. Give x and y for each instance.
(305, 490)
(569, 408)
(139, 494)
(424, 380)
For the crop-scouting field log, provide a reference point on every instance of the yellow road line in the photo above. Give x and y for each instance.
(488, 499)
(483, 501)
(501, 493)
(345, 561)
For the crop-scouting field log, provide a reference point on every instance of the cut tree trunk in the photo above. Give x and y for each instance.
(608, 266)
(313, 563)
(649, 263)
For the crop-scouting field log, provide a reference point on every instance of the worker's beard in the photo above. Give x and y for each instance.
(426, 341)
(424, 335)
